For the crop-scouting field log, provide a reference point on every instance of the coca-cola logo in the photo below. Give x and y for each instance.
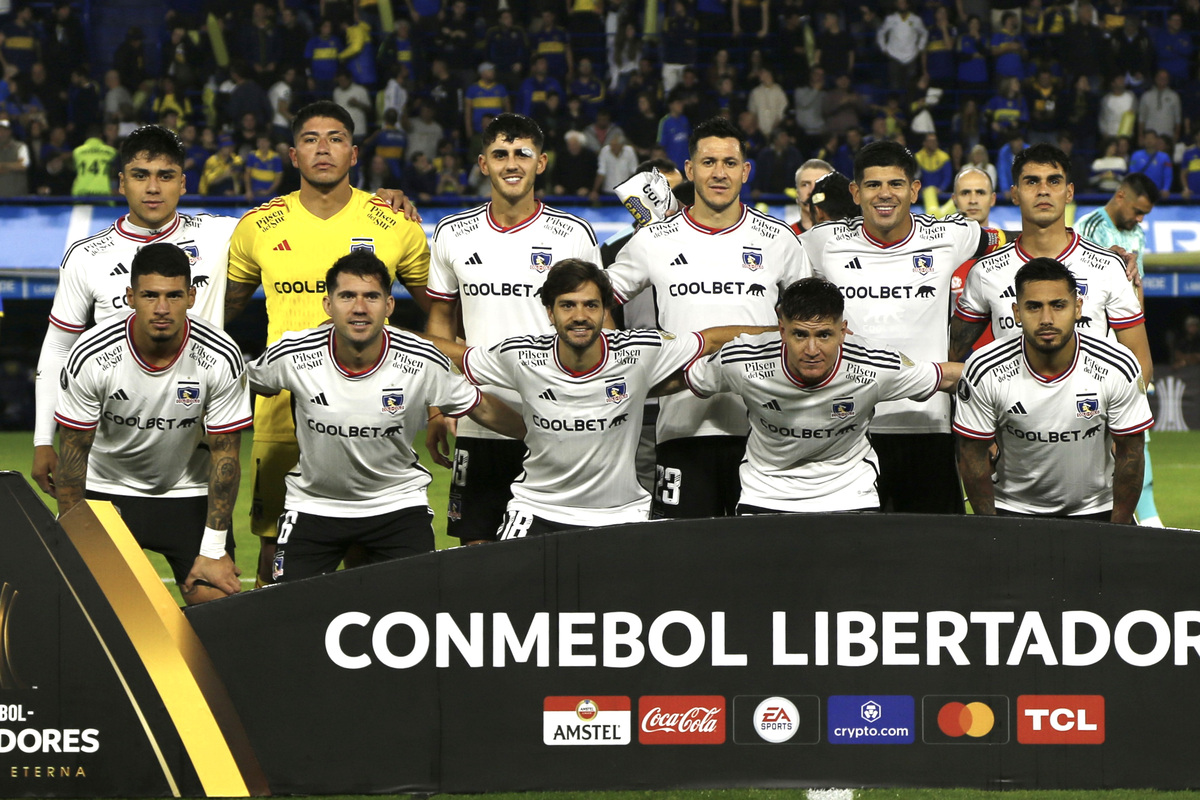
(681, 719)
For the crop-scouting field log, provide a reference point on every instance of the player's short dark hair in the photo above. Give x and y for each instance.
(1140, 186)
(153, 141)
(811, 298)
(1044, 269)
(1041, 153)
(160, 258)
(569, 275)
(321, 108)
(885, 154)
(509, 127)
(716, 128)
(362, 264)
(831, 194)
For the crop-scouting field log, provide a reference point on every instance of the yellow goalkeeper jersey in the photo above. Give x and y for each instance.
(288, 250)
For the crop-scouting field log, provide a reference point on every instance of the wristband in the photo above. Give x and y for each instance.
(213, 543)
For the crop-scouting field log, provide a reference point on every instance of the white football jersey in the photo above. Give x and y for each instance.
(356, 430)
(150, 421)
(899, 293)
(808, 448)
(1109, 300)
(702, 278)
(1055, 434)
(583, 427)
(95, 271)
(496, 273)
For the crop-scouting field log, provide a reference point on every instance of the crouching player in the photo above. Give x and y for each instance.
(138, 396)
(810, 392)
(582, 389)
(360, 395)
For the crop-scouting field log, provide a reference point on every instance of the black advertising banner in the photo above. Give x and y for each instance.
(838, 650)
(852, 650)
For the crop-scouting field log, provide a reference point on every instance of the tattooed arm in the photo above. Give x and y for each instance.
(1127, 476)
(963, 336)
(237, 295)
(226, 474)
(975, 467)
(71, 475)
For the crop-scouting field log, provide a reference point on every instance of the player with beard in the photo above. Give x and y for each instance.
(719, 262)
(1067, 410)
(285, 246)
(490, 262)
(582, 390)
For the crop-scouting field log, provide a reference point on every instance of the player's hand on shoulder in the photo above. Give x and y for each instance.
(45, 462)
(400, 203)
(1131, 267)
(219, 573)
(437, 439)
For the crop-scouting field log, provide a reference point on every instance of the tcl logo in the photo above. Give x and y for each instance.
(1060, 719)
(681, 719)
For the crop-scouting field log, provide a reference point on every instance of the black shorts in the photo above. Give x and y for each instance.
(698, 477)
(918, 473)
(747, 510)
(519, 524)
(1098, 516)
(173, 527)
(481, 486)
(310, 544)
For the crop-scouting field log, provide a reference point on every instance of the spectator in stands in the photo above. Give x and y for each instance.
(1085, 48)
(14, 163)
(1042, 100)
(588, 87)
(64, 46)
(1132, 53)
(809, 103)
(399, 49)
(575, 167)
(755, 140)
(358, 57)
(83, 101)
(936, 169)
(1007, 112)
(1008, 48)
(446, 94)
(1117, 109)
(729, 102)
(554, 43)
(977, 158)
(1189, 169)
(680, 43)
(795, 49)
(623, 57)
(617, 162)
(261, 44)
(264, 171)
(1113, 14)
(940, 51)
(967, 124)
(902, 39)
(222, 176)
(184, 60)
(843, 160)
(842, 107)
(130, 57)
(768, 101)
(198, 147)
(118, 102)
(531, 101)
(751, 18)
(835, 53)
(390, 142)
(1078, 112)
(168, 99)
(279, 97)
(777, 165)
(452, 178)
(1160, 108)
(248, 97)
(673, 132)
(56, 161)
(1155, 164)
(973, 74)
(294, 34)
(485, 96)
(1174, 48)
(1185, 349)
(52, 96)
(321, 52)
(424, 132)
(354, 97)
(421, 181)
(642, 129)
(507, 46)
(245, 135)
(455, 40)
(599, 132)
(20, 45)
(1004, 163)
(93, 162)
(1109, 169)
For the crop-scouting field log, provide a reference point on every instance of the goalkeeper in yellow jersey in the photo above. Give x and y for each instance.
(287, 246)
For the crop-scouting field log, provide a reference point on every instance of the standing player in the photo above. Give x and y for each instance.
(491, 261)
(808, 174)
(1119, 223)
(582, 390)
(138, 397)
(718, 263)
(974, 197)
(894, 268)
(811, 392)
(282, 245)
(361, 394)
(95, 271)
(1042, 190)
(1067, 410)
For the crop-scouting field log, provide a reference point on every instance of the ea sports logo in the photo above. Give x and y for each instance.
(776, 719)
(971, 719)
(586, 710)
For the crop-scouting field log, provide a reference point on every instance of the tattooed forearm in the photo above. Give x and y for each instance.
(71, 478)
(976, 470)
(963, 336)
(237, 295)
(1127, 476)
(223, 481)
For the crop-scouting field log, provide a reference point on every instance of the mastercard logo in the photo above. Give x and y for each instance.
(966, 719)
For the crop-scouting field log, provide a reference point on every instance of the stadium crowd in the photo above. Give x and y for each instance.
(613, 83)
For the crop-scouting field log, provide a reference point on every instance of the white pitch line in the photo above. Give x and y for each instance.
(830, 794)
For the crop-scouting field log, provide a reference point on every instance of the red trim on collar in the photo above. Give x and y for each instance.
(889, 245)
(496, 226)
(1053, 379)
(687, 216)
(599, 365)
(795, 379)
(141, 362)
(383, 351)
(122, 229)
(1070, 248)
